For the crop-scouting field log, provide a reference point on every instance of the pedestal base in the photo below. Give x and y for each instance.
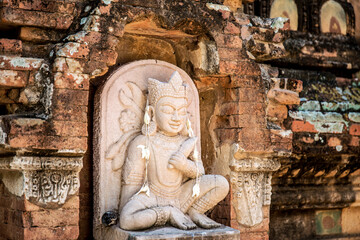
(167, 233)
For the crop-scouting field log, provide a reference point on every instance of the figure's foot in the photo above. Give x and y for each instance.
(201, 220)
(179, 220)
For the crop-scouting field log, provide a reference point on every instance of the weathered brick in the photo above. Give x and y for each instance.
(230, 41)
(10, 46)
(334, 141)
(252, 138)
(40, 35)
(73, 50)
(70, 113)
(245, 81)
(56, 233)
(231, 28)
(355, 129)
(37, 127)
(72, 203)
(250, 95)
(48, 142)
(49, 6)
(354, 142)
(64, 128)
(66, 97)
(231, 108)
(10, 78)
(301, 126)
(276, 111)
(35, 18)
(230, 53)
(20, 63)
(281, 136)
(264, 34)
(88, 37)
(11, 231)
(254, 235)
(104, 55)
(29, 126)
(206, 82)
(245, 33)
(227, 135)
(70, 65)
(94, 68)
(283, 96)
(71, 81)
(55, 218)
(243, 68)
(231, 95)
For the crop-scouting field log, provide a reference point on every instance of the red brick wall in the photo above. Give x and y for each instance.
(20, 219)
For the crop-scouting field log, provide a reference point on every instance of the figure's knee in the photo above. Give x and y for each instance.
(222, 185)
(125, 220)
(126, 217)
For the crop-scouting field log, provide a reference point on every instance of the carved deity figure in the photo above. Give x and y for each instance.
(163, 179)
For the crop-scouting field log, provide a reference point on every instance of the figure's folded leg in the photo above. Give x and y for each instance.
(143, 212)
(137, 215)
(213, 189)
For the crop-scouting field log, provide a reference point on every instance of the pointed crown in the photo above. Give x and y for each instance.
(174, 88)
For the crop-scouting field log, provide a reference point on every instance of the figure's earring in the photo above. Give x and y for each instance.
(152, 127)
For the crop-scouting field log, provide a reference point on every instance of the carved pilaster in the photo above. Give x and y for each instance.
(45, 181)
(251, 185)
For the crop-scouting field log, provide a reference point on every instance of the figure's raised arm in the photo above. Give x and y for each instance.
(183, 162)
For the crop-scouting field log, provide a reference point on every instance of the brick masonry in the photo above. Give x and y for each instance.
(54, 56)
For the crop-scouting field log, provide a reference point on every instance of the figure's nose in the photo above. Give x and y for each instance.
(175, 116)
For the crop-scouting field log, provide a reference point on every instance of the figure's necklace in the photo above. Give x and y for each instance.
(166, 138)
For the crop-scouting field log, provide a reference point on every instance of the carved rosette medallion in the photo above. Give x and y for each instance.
(251, 186)
(46, 181)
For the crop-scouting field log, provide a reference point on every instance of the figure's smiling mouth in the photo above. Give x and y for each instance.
(174, 125)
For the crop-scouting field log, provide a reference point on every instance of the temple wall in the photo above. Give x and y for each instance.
(268, 96)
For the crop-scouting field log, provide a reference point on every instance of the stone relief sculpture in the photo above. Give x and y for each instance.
(155, 157)
(45, 181)
(251, 185)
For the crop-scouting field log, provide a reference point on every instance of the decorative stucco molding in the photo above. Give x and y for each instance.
(45, 181)
(251, 185)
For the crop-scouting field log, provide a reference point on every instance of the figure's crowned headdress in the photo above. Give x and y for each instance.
(174, 88)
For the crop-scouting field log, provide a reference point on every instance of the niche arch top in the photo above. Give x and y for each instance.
(288, 9)
(333, 18)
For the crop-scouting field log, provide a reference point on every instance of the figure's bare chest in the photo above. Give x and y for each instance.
(162, 150)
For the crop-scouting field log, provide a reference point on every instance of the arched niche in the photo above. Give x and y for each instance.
(185, 43)
(288, 9)
(117, 120)
(333, 18)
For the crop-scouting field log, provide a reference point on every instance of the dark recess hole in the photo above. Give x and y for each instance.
(9, 32)
(3, 110)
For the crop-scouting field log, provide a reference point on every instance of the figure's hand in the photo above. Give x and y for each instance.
(179, 161)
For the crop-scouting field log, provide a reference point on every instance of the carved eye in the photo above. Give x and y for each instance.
(332, 18)
(182, 111)
(167, 109)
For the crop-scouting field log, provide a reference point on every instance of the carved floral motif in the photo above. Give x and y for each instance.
(251, 186)
(48, 181)
(50, 186)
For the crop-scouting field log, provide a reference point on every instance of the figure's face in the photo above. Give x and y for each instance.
(170, 114)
